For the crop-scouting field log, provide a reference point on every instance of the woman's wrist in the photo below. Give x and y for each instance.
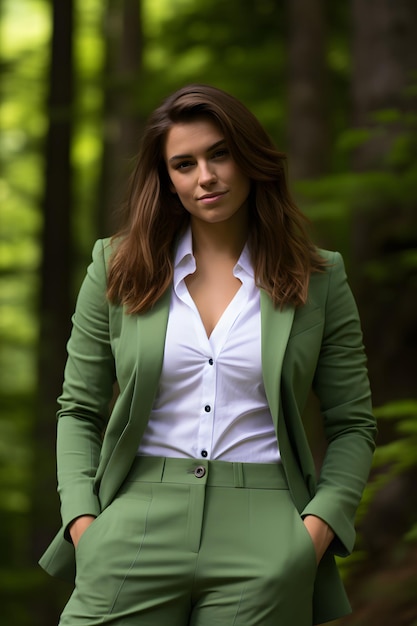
(78, 526)
(321, 534)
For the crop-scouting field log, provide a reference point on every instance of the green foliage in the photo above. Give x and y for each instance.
(388, 191)
(399, 455)
(238, 46)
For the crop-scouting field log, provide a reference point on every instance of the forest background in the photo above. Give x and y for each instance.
(335, 84)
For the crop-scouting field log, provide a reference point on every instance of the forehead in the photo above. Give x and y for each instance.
(191, 137)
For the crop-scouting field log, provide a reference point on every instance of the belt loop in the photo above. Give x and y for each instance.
(164, 460)
(238, 474)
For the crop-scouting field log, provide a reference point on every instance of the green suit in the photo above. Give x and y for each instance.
(316, 346)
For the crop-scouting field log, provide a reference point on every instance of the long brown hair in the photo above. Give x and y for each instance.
(283, 255)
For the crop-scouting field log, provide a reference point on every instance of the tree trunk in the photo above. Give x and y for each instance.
(55, 300)
(308, 131)
(122, 122)
(384, 59)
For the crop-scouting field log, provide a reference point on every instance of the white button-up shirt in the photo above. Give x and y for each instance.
(211, 400)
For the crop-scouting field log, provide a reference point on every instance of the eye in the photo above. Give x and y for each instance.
(220, 153)
(183, 165)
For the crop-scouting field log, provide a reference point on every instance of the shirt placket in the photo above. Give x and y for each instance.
(205, 410)
(216, 341)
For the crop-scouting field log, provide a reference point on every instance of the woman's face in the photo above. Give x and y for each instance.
(203, 174)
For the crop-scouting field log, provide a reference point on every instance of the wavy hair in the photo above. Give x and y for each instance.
(283, 255)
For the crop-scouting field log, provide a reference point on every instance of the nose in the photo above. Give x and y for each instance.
(206, 174)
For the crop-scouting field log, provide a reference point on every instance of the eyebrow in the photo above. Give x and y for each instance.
(189, 156)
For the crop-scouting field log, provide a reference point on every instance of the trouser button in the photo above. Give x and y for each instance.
(200, 471)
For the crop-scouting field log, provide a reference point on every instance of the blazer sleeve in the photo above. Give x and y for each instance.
(87, 391)
(342, 386)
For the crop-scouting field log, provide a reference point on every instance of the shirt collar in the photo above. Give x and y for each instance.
(184, 261)
(184, 248)
(245, 262)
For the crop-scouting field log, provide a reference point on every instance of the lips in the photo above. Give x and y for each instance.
(212, 197)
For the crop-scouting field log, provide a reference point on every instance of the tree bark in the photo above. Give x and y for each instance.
(308, 132)
(122, 122)
(55, 295)
(384, 59)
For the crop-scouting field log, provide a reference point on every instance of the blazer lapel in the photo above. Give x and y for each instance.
(276, 325)
(275, 330)
(137, 400)
(151, 331)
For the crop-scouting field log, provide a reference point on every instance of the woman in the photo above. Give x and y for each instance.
(196, 501)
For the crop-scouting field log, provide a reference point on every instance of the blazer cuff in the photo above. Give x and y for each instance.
(89, 505)
(345, 534)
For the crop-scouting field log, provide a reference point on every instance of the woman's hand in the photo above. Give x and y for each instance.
(321, 534)
(79, 526)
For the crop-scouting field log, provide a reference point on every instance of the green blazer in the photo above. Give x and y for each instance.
(318, 346)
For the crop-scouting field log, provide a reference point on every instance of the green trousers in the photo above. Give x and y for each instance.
(196, 543)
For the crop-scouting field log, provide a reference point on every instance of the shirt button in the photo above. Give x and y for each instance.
(207, 408)
(204, 453)
(200, 471)
(211, 361)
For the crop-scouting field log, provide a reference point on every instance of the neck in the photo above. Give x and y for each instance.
(224, 238)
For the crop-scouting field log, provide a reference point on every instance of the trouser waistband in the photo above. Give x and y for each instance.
(212, 473)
